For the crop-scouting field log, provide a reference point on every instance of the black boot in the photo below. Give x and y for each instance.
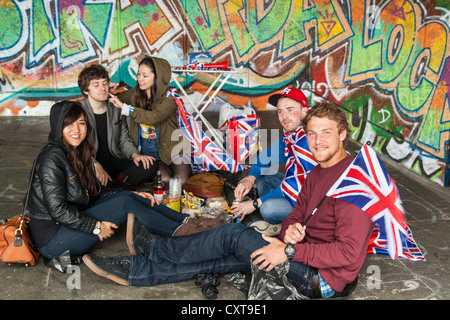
(208, 284)
(138, 237)
(115, 269)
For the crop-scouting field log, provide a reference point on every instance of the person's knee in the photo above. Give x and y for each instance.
(124, 196)
(275, 210)
(272, 218)
(262, 181)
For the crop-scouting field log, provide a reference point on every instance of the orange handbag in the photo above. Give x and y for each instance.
(16, 244)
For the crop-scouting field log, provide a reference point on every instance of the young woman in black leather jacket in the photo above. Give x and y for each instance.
(68, 208)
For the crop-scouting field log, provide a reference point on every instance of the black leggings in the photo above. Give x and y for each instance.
(182, 170)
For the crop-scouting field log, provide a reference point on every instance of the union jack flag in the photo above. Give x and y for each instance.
(300, 162)
(243, 136)
(205, 155)
(367, 184)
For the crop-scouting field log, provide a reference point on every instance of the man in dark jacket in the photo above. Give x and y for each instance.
(118, 162)
(324, 257)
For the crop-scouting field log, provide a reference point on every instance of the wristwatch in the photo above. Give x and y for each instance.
(255, 204)
(97, 228)
(290, 251)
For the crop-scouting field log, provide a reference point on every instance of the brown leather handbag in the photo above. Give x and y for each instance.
(16, 244)
(206, 184)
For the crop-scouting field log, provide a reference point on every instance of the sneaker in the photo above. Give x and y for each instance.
(138, 238)
(265, 227)
(115, 269)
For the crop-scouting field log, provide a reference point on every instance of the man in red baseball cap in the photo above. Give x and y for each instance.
(278, 192)
(292, 93)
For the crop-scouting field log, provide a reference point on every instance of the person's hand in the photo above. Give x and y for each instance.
(146, 195)
(244, 186)
(115, 101)
(106, 230)
(101, 174)
(113, 86)
(147, 161)
(295, 233)
(241, 209)
(271, 255)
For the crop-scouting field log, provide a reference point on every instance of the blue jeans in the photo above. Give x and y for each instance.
(273, 210)
(158, 219)
(225, 249)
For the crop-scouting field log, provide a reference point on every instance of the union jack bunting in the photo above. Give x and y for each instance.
(367, 184)
(205, 155)
(300, 162)
(243, 136)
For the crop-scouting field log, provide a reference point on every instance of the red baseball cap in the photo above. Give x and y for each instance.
(292, 93)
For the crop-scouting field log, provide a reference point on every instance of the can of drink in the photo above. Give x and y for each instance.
(238, 219)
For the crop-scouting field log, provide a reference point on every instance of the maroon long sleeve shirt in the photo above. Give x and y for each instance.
(338, 233)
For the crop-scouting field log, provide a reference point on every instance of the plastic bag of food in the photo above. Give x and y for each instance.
(217, 203)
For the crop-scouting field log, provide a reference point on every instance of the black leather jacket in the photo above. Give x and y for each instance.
(56, 192)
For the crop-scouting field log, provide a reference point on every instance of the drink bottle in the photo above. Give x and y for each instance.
(159, 188)
(174, 193)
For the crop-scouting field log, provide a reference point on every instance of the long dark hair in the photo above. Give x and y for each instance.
(143, 101)
(81, 157)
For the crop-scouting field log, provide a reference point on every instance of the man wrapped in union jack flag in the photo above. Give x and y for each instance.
(333, 241)
(278, 192)
(324, 253)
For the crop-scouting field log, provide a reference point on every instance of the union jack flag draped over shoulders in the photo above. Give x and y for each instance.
(205, 155)
(367, 184)
(300, 161)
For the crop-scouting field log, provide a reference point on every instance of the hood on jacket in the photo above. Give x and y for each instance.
(57, 113)
(163, 74)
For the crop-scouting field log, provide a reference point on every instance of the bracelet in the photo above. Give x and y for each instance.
(97, 228)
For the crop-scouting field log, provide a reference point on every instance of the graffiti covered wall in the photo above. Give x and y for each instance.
(384, 62)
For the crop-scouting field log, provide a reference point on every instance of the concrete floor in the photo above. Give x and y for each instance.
(427, 206)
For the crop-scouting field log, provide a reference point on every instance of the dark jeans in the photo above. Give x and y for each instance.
(225, 249)
(114, 208)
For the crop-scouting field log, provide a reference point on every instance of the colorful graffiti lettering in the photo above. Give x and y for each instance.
(384, 61)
